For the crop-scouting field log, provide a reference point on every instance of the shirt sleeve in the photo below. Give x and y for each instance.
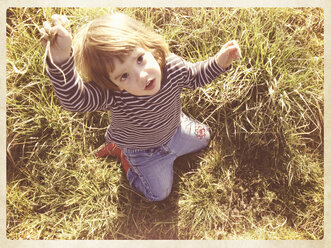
(204, 72)
(73, 94)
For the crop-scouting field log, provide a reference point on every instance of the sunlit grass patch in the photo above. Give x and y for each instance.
(261, 176)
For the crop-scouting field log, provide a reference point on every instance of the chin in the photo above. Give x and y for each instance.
(156, 89)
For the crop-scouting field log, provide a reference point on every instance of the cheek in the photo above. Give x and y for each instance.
(152, 58)
(156, 66)
(116, 85)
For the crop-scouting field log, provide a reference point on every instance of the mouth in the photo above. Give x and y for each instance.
(150, 84)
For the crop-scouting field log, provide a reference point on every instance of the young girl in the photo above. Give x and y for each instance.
(129, 70)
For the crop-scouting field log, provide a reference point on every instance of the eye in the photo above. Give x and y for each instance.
(124, 76)
(140, 59)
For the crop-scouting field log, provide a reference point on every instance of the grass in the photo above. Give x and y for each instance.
(260, 178)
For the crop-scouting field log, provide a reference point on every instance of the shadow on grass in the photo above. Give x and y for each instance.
(141, 219)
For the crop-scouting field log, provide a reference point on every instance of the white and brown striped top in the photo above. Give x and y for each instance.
(138, 122)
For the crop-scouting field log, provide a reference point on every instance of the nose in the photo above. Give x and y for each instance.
(143, 76)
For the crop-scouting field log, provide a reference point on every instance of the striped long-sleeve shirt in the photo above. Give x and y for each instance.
(139, 122)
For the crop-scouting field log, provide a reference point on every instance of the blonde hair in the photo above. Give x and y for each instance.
(115, 36)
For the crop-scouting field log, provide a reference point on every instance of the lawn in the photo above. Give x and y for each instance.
(262, 176)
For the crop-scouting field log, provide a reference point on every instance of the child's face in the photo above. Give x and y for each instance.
(139, 74)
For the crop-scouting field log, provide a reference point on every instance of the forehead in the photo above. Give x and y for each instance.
(116, 61)
(120, 62)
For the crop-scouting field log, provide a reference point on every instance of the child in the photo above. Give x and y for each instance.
(129, 70)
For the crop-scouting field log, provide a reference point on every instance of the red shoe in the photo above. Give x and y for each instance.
(109, 150)
(112, 150)
(125, 163)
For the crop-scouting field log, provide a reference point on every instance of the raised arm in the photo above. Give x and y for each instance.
(204, 72)
(73, 93)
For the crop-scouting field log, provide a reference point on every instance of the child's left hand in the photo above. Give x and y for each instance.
(229, 52)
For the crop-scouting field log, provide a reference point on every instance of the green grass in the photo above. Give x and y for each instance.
(260, 178)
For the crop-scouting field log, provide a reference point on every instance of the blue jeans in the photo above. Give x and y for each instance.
(151, 171)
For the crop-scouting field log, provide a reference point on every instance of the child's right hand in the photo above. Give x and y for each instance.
(229, 52)
(60, 39)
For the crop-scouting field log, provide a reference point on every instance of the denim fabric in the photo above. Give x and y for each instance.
(151, 171)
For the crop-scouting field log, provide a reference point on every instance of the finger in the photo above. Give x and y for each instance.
(237, 53)
(55, 19)
(230, 43)
(42, 32)
(45, 31)
(48, 32)
(60, 20)
(238, 50)
(64, 20)
(233, 51)
(43, 36)
(234, 44)
(47, 26)
(52, 32)
(61, 31)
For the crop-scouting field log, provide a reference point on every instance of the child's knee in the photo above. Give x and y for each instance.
(202, 133)
(154, 190)
(160, 194)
